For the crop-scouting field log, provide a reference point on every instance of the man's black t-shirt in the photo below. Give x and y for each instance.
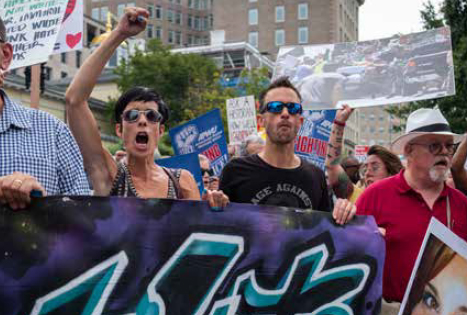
(251, 180)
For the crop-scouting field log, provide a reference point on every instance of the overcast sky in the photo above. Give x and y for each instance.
(384, 18)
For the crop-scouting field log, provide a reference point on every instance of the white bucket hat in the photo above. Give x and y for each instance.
(424, 121)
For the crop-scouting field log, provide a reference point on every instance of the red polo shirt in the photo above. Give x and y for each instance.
(405, 216)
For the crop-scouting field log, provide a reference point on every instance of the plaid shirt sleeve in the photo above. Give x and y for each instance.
(72, 178)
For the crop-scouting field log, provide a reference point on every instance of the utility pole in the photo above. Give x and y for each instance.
(35, 85)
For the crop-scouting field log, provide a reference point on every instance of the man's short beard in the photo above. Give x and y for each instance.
(438, 176)
(281, 140)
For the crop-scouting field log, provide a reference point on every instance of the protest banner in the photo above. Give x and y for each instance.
(241, 118)
(32, 28)
(94, 255)
(70, 36)
(361, 151)
(438, 284)
(203, 135)
(189, 162)
(313, 137)
(391, 70)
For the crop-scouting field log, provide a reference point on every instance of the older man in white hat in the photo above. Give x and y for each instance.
(404, 204)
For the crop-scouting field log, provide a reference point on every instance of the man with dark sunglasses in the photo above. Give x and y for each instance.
(37, 151)
(276, 175)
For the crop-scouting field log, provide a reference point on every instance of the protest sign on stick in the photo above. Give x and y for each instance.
(203, 135)
(95, 255)
(438, 284)
(361, 151)
(71, 34)
(32, 28)
(35, 86)
(241, 118)
(189, 162)
(385, 71)
(313, 137)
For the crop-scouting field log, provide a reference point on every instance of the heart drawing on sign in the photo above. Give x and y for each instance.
(73, 40)
(69, 9)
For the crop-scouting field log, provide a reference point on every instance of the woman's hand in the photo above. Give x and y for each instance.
(344, 113)
(216, 198)
(133, 22)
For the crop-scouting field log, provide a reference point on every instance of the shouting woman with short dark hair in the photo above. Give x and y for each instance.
(140, 115)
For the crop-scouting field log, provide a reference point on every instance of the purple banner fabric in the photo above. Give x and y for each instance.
(91, 255)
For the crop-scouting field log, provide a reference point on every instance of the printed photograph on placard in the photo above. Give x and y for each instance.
(378, 72)
(438, 284)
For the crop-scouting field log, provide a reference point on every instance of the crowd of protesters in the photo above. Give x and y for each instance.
(38, 153)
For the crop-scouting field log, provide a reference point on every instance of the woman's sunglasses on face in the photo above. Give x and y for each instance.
(276, 107)
(210, 172)
(373, 167)
(132, 115)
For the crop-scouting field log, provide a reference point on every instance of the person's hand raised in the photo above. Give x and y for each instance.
(343, 114)
(133, 21)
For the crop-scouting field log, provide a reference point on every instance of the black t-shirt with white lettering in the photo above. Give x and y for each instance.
(252, 180)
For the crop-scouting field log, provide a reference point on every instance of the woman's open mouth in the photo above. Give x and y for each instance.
(141, 140)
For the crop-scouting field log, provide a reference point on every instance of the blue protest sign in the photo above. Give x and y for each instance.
(203, 135)
(313, 137)
(189, 162)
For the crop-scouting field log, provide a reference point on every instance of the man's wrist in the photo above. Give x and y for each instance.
(339, 123)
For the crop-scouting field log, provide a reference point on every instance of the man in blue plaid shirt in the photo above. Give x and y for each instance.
(37, 151)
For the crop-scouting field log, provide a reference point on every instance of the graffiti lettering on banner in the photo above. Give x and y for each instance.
(90, 255)
(391, 70)
(241, 117)
(313, 137)
(438, 284)
(189, 162)
(32, 28)
(203, 135)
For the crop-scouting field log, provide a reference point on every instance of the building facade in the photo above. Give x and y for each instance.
(232, 58)
(268, 25)
(376, 126)
(179, 23)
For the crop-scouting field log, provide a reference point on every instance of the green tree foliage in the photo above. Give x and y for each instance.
(189, 83)
(452, 13)
(172, 75)
(253, 81)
